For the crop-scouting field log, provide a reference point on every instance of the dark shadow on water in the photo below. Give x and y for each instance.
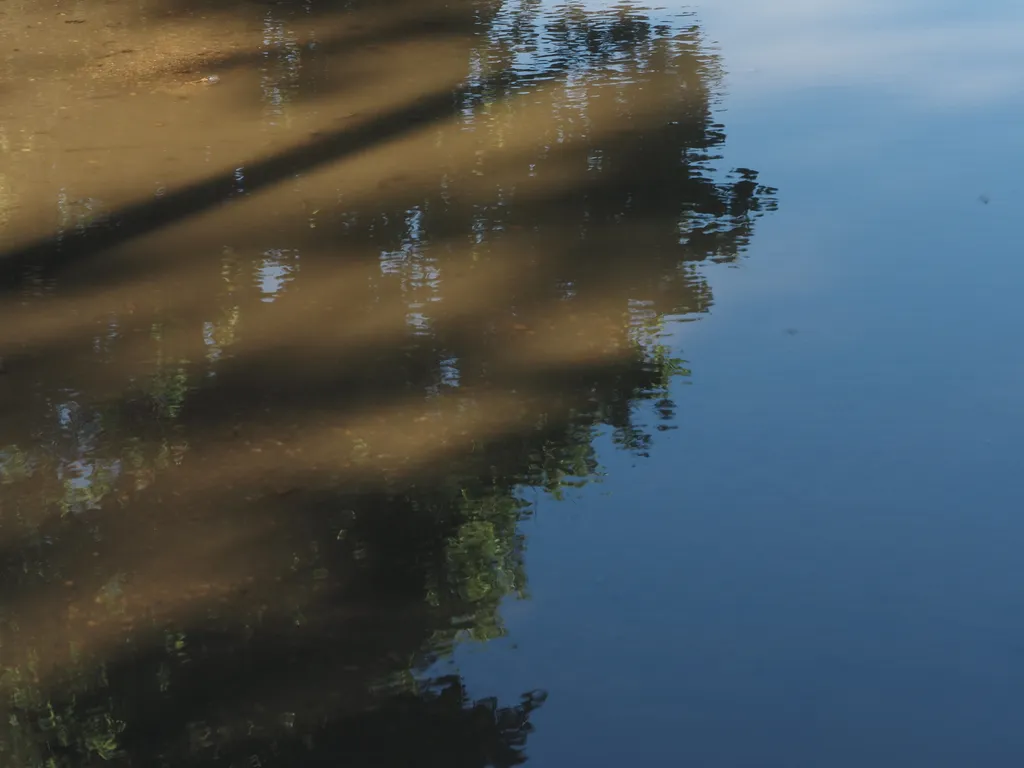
(147, 216)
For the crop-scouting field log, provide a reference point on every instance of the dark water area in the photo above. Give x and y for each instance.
(493, 383)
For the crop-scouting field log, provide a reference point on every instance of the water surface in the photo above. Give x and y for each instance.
(484, 383)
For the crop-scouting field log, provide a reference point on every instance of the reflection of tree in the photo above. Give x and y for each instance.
(434, 724)
(352, 587)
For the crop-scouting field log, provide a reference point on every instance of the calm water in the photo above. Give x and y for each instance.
(484, 383)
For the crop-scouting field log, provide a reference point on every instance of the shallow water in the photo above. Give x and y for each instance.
(475, 383)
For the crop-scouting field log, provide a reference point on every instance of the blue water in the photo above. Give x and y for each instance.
(821, 567)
